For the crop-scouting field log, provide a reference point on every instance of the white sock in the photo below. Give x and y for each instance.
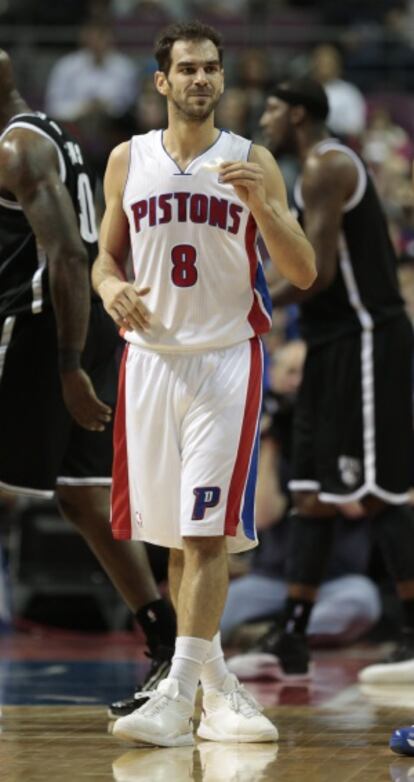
(214, 670)
(187, 662)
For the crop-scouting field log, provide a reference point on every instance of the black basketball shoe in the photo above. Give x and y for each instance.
(160, 668)
(277, 655)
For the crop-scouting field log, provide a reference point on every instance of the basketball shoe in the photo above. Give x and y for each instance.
(164, 720)
(402, 741)
(159, 670)
(232, 714)
(398, 669)
(277, 655)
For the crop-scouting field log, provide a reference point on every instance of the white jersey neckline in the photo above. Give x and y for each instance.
(186, 171)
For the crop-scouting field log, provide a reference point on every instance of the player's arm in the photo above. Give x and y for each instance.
(260, 185)
(29, 170)
(328, 182)
(28, 167)
(122, 300)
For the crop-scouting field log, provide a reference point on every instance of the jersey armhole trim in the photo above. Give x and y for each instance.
(128, 173)
(361, 184)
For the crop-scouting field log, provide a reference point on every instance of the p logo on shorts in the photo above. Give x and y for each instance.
(205, 497)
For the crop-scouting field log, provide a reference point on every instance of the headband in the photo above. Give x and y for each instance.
(316, 104)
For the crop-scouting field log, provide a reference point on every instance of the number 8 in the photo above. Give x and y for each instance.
(184, 272)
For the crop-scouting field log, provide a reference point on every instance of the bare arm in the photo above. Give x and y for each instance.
(328, 182)
(29, 170)
(122, 300)
(260, 185)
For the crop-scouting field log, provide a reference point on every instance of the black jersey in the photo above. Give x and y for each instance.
(23, 264)
(364, 292)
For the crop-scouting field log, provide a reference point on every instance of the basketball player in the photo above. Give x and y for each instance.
(188, 202)
(353, 424)
(402, 739)
(50, 357)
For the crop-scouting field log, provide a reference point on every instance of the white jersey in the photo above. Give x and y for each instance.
(194, 243)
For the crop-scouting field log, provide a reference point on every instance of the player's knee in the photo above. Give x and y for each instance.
(204, 548)
(81, 504)
(176, 558)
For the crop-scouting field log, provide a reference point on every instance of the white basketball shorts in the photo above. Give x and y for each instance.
(186, 445)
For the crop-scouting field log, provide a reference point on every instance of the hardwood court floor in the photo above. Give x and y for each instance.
(53, 725)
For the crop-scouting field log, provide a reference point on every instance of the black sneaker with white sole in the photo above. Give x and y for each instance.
(160, 668)
(277, 655)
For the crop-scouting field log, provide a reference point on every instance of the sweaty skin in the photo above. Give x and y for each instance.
(29, 171)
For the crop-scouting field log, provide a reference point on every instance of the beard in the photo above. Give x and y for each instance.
(282, 145)
(195, 113)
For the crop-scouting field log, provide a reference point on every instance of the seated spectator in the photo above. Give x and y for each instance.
(348, 603)
(347, 110)
(95, 77)
(93, 89)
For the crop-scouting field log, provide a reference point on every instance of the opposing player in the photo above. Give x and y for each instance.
(402, 739)
(188, 202)
(58, 348)
(353, 423)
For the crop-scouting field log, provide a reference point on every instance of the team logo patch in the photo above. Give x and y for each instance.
(349, 470)
(205, 497)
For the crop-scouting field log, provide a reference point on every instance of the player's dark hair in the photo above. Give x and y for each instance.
(184, 31)
(305, 92)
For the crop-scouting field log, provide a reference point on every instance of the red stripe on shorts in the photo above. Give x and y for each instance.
(246, 442)
(120, 506)
(258, 318)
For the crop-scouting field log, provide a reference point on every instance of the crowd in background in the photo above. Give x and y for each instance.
(89, 65)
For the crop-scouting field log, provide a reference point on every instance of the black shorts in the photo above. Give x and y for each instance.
(353, 431)
(40, 444)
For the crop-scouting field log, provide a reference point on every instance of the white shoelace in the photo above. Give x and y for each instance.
(155, 703)
(243, 702)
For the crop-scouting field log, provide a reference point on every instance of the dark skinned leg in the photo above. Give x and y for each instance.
(125, 562)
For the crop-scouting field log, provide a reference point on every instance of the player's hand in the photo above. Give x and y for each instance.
(123, 302)
(247, 180)
(81, 401)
